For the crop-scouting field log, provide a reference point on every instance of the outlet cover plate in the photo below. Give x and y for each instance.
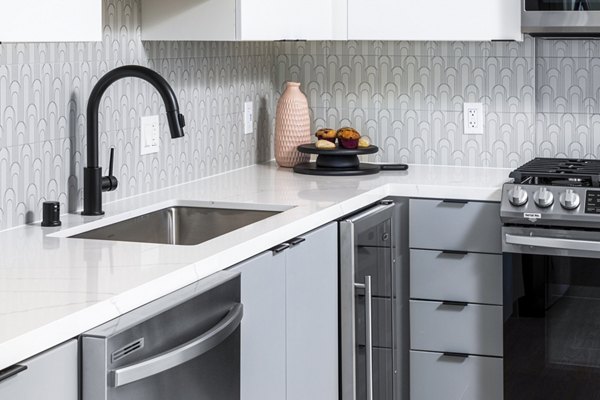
(473, 118)
(248, 117)
(149, 141)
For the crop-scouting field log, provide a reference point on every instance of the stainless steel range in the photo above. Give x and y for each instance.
(554, 192)
(551, 245)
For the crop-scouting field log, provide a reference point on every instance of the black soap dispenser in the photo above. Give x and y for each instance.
(51, 213)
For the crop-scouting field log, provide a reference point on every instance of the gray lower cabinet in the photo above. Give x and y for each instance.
(263, 361)
(51, 375)
(312, 316)
(468, 328)
(438, 376)
(468, 277)
(289, 331)
(471, 226)
(456, 319)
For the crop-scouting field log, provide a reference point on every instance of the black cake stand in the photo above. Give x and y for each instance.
(337, 162)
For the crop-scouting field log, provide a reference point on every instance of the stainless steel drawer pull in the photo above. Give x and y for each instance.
(279, 248)
(455, 303)
(296, 241)
(181, 354)
(456, 355)
(11, 371)
(454, 201)
(455, 252)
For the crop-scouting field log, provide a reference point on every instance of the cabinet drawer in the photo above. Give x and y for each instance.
(470, 277)
(436, 376)
(471, 328)
(440, 225)
(51, 375)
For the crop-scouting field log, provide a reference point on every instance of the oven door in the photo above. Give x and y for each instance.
(561, 17)
(552, 314)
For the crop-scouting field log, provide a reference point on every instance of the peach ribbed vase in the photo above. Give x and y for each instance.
(292, 126)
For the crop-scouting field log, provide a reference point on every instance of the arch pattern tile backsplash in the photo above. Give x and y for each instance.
(542, 98)
(43, 95)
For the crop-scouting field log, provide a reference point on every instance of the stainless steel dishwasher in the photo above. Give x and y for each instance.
(183, 346)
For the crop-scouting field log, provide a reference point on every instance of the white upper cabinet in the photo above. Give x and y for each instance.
(244, 20)
(444, 20)
(292, 19)
(50, 20)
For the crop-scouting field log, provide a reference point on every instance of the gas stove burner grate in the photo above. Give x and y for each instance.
(559, 172)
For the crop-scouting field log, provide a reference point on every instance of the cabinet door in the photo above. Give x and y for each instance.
(188, 19)
(244, 20)
(312, 316)
(292, 19)
(263, 346)
(52, 375)
(50, 20)
(434, 20)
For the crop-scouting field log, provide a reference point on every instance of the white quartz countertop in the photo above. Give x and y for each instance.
(53, 288)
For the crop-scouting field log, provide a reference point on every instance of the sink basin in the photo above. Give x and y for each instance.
(178, 224)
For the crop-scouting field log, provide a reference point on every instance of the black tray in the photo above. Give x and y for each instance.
(310, 148)
(342, 162)
(338, 157)
(311, 168)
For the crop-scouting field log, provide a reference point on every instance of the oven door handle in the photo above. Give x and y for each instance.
(554, 243)
(181, 354)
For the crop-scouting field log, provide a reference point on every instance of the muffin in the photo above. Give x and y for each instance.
(326, 134)
(348, 137)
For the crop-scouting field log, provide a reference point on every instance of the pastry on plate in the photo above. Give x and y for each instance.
(326, 134)
(364, 142)
(348, 137)
(325, 145)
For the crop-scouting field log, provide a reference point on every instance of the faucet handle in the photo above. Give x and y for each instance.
(111, 161)
(110, 182)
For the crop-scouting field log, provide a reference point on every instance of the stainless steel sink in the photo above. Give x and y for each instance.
(181, 225)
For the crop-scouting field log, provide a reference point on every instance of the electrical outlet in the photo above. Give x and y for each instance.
(248, 117)
(149, 140)
(473, 113)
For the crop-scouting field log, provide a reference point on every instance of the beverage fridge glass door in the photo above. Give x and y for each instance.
(368, 305)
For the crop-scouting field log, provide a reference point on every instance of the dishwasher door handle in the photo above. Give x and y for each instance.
(181, 354)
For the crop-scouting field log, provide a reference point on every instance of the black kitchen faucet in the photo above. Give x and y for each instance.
(93, 181)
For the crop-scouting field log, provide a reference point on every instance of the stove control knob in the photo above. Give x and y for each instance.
(517, 196)
(543, 198)
(569, 200)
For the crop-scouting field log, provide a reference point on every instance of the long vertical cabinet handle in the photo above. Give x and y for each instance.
(367, 287)
(369, 336)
